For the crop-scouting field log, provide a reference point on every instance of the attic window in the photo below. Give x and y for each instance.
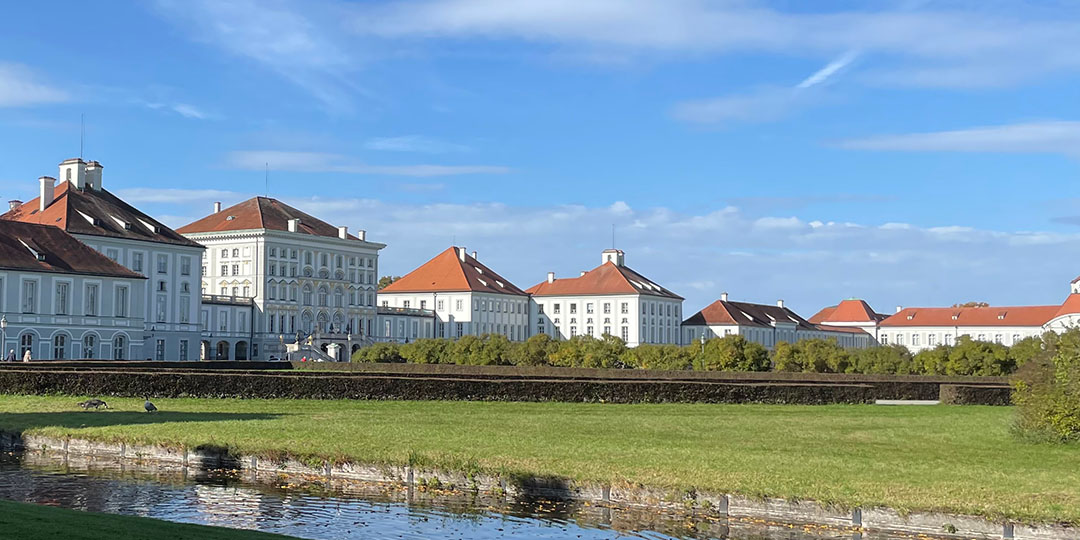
(230, 218)
(499, 283)
(153, 228)
(1001, 316)
(482, 282)
(33, 249)
(955, 316)
(911, 316)
(478, 270)
(92, 220)
(126, 225)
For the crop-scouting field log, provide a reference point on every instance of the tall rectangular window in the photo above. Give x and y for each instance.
(121, 306)
(92, 300)
(159, 350)
(29, 297)
(185, 266)
(136, 261)
(223, 325)
(160, 308)
(62, 298)
(183, 350)
(626, 333)
(185, 309)
(162, 264)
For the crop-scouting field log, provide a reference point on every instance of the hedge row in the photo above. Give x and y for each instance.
(730, 353)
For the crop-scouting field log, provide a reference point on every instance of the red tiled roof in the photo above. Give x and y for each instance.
(62, 252)
(844, 329)
(447, 272)
(723, 312)
(608, 278)
(1070, 306)
(851, 310)
(261, 213)
(71, 207)
(974, 316)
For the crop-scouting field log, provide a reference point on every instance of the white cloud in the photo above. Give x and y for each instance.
(325, 162)
(20, 87)
(413, 143)
(1052, 137)
(830, 69)
(183, 109)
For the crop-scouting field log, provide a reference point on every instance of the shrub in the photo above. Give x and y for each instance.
(534, 352)
(378, 352)
(671, 357)
(427, 351)
(890, 359)
(812, 356)
(1046, 391)
(733, 353)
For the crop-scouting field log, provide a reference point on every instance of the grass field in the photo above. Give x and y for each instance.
(953, 459)
(34, 522)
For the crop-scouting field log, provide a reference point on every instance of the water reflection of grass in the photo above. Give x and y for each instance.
(955, 459)
(34, 522)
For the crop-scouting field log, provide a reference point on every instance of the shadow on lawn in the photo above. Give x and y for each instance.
(88, 419)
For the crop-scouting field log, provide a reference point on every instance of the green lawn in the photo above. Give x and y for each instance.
(34, 522)
(956, 459)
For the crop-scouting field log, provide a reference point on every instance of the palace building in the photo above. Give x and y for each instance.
(766, 324)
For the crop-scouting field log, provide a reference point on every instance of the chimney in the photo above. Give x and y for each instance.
(582, 274)
(780, 303)
(294, 225)
(343, 232)
(551, 277)
(461, 253)
(217, 207)
(48, 186)
(361, 235)
(93, 175)
(474, 255)
(14, 203)
(899, 309)
(73, 170)
(723, 296)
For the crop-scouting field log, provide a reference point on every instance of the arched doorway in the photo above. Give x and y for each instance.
(241, 351)
(222, 351)
(204, 350)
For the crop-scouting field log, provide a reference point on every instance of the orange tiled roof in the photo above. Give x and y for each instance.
(1070, 306)
(974, 316)
(62, 253)
(95, 212)
(260, 213)
(447, 272)
(608, 278)
(851, 310)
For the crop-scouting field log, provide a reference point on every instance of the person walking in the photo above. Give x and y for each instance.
(26, 356)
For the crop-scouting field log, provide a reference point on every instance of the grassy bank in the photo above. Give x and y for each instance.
(35, 522)
(953, 459)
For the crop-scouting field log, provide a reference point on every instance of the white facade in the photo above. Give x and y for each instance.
(300, 285)
(920, 338)
(463, 313)
(766, 325)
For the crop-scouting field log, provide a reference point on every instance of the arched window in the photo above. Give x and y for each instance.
(59, 347)
(118, 346)
(26, 343)
(339, 297)
(323, 296)
(235, 252)
(307, 295)
(324, 322)
(305, 322)
(89, 342)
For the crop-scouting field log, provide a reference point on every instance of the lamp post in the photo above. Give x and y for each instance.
(3, 335)
(703, 350)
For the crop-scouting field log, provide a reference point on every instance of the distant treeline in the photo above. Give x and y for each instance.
(729, 353)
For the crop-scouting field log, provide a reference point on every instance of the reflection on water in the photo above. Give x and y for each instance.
(318, 512)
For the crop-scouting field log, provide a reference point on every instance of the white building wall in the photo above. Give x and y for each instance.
(769, 337)
(466, 313)
(636, 319)
(919, 338)
(71, 316)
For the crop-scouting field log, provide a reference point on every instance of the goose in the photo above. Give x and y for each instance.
(93, 404)
(149, 406)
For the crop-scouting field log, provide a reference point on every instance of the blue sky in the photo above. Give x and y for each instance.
(907, 152)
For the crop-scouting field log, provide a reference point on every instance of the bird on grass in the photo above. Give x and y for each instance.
(149, 406)
(93, 404)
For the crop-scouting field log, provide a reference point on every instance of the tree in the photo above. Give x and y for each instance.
(1046, 391)
(972, 357)
(971, 304)
(379, 352)
(495, 350)
(385, 281)
(466, 350)
(427, 351)
(734, 353)
(1026, 349)
(534, 352)
(889, 359)
(932, 361)
(812, 356)
(669, 357)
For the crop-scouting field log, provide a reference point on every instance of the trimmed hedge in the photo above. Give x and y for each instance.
(960, 394)
(323, 385)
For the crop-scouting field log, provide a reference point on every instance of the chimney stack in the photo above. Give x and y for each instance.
(582, 274)
(14, 203)
(899, 309)
(474, 255)
(361, 235)
(780, 303)
(461, 253)
(73, 170)
(343, 232)
(294, 225)
(217, 207)
(551, 277)
(93, 175)
(47, 188)
(723, 296)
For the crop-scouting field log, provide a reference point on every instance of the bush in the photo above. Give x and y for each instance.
(890, 359)
(534, 352)
(733, 353)
(1046, 391)
(812, 356)
(670, 357)
(378, 352)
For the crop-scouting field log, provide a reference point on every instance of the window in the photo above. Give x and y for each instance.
(236, 269)
(121, 307)
(185, 266)
(136, 262)
(948, 339)
(307, 295)
(59, 347)
(460, 329)
(405, 304)
(588, 330)
(247, 291)
(92, 300)
(997, 338)
(573, 331)
(914, 340)
(323, 260)
(271, 270)
(235, 252)
(573, 309)
(1015, 338)
(112, 254)
(161, 286)
(540, 309)
(160, 310)
(89, 344)
(982, 337)
(61, 298)
(162, 264)
(29, 299)
(457, 305)
(236, 291)
(607, 330)
(185, 309)
(423, 304)
(224, 269)
(624, 308)
(224, 253)
(273, 252)
(223, 323)
(899, 339)
(555, 308)
(26, 344)
(439, 305)
(323, 296)
(183, 350)
(588, 308)
(159, 350)
(607, 308)
(931, 340)
(118, 348)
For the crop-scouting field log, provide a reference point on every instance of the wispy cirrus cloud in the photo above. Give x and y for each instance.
(1049, 137)
(320, 162)
(186, 110)
(20, 86)
(413, 143)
